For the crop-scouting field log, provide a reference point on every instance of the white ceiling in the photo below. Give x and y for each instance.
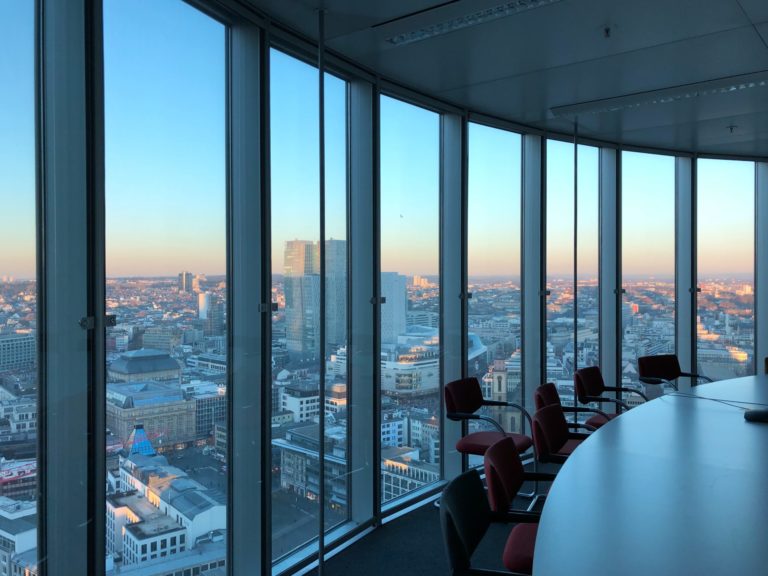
(521, 66)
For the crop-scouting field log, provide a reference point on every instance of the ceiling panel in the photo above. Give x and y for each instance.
(519, 67)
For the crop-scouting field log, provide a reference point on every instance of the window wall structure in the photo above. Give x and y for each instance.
(410, 305)
(309, 341)
(166, 287)
(19, 474)
(411, 140)
(572, 263)
(725, 264)
(494, 335)
(648, 320)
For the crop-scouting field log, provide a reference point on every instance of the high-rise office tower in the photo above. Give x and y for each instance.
(185, 282)
(203, 305)
(335, 294)
(302, 297)
(214, 324)
(393, 311)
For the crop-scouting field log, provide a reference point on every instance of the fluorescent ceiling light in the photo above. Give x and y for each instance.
(666, 95)
(479, 17)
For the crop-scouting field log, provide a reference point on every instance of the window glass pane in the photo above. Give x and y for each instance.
(165, 160)
(560, 257)
(725, 322)
(18, 289)
(588, 258)
(647, 260)
(494, 344)
(337, 439)
(296, 354)
(573, 250)
(410, 282)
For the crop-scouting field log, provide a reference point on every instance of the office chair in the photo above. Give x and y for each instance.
(554, 443)
(463, 398)
(590, 386)
(547, 395)
(465, 516)
(665, 369)
(504, 476)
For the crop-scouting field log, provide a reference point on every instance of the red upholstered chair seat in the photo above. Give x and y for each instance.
(518, 552)
(600, 420)
(478, 442)
(569, 446)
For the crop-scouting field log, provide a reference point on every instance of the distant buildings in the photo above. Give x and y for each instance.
(167, 416)
(18, 352)
(393, 311)
(143, 365)
(162, 515)
(185, 282)
(18, 536)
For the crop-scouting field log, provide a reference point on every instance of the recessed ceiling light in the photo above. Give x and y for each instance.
(665, 95)
(473, 19)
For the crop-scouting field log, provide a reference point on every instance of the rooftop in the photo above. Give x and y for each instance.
(144, 361)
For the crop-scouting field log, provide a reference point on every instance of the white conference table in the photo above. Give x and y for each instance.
(675, 486)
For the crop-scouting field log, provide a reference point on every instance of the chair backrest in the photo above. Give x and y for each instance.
(588, 382)
(550, 430)
(463, 395)
(464, 517)
(504, 474)
(546, 395)
(664, 366)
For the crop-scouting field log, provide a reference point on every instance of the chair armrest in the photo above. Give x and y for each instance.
(577, 436)
(579, 425)
(526, 414)
(630, 390)
(652, 380)
(539, 476)
(516, 516)
(584, 410)
(620, 403)
(457, 416)
(696, 376)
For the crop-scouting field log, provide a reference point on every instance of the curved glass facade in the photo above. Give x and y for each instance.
(357, 284)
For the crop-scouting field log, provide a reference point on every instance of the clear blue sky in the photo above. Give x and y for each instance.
(17, 139)
(165, 161)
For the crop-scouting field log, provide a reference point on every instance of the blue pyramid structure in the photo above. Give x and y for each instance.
(138, 442)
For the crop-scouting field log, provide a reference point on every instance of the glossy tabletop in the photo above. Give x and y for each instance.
(675, 486)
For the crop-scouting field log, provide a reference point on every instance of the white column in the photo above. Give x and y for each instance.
(365, 426)
(452, 275)
(68, 172)
(533, 304)
(685, 264)
(761, 266)
(610, 273)
(249, 308)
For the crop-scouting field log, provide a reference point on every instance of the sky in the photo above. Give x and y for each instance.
(166, 159)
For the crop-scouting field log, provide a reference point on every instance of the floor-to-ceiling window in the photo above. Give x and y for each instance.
(166, 286)
(410, 290)
(494, 336)
(647, 260)
(309, 349)
(572, 262)
(18, 289)
(725, 316)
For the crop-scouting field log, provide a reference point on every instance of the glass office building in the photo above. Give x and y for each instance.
(238, 264)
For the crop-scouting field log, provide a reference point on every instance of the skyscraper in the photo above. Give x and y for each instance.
(335, 294)
(394, 309)
(185, 282)
(302, 297)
